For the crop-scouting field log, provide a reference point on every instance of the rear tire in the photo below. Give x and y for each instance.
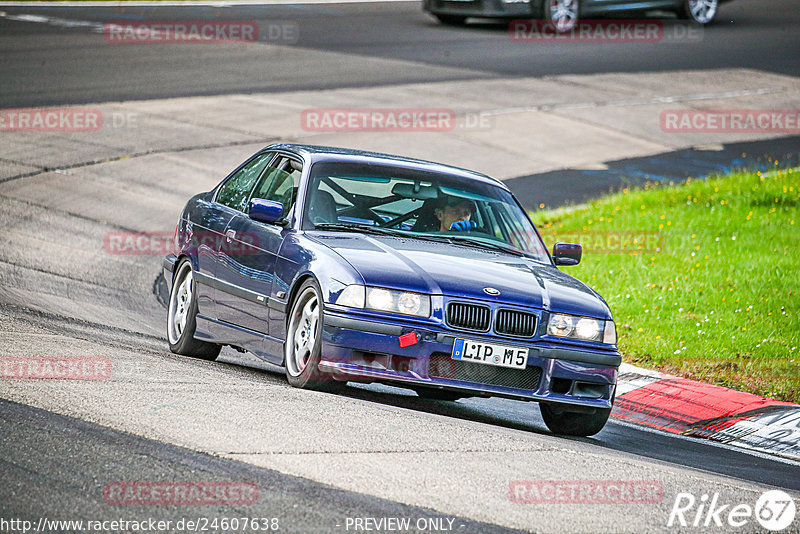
(303, 345)
(451, 20)
(182, 317)
(567, 423)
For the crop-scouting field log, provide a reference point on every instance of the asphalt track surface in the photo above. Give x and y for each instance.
(37, 485)
(55, 465)
(348, 45)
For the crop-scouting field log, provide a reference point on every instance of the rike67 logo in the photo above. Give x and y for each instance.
(774, 510)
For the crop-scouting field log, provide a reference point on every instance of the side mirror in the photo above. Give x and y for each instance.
(567, 253)
(266, 211)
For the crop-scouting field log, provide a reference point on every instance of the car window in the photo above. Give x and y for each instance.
(511, 228)
(420, 203)
(235, 192)
(279, 183)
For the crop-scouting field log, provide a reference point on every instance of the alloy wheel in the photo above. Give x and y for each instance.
(303, 331)
(179, 304)
(563, 14)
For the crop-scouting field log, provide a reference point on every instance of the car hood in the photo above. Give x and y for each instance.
(459, 271)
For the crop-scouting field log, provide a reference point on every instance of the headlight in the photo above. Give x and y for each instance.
(409, 303)
(388, 300)
(398, 302)
(587, 329)
(352, 296)
(379, 299)
(561, 326)
(582, 328)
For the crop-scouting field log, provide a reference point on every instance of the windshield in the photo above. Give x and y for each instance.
(421, 204)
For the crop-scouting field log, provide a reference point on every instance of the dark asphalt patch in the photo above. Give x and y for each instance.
(573, 186)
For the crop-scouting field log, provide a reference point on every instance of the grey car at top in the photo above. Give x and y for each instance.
(564, 14)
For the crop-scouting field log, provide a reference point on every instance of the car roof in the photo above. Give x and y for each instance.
(317, 153)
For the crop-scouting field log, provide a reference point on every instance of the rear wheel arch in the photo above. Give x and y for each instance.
(178, 261)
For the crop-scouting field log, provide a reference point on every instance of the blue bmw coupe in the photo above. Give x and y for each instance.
(343, 265)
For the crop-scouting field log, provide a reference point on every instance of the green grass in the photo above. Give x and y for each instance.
(718, 301)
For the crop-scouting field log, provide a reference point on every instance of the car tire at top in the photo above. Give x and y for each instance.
(562, 14)
(699, 11)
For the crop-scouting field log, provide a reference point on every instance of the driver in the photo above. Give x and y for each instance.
(455, 213)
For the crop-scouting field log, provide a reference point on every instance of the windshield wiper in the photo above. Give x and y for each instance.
(377, 230)
(456, 240)
(482, 244)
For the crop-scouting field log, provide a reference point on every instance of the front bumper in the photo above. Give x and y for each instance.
(357, 348)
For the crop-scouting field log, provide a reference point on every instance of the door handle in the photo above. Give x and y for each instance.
(230, 235)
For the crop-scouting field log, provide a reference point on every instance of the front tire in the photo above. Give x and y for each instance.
(562, 14)
(567, 423)
(182, 317)
(303, 345)
(699, 11)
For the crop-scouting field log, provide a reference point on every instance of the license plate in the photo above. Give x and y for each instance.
(490, 354)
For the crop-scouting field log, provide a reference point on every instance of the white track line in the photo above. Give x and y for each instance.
(55, 21)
